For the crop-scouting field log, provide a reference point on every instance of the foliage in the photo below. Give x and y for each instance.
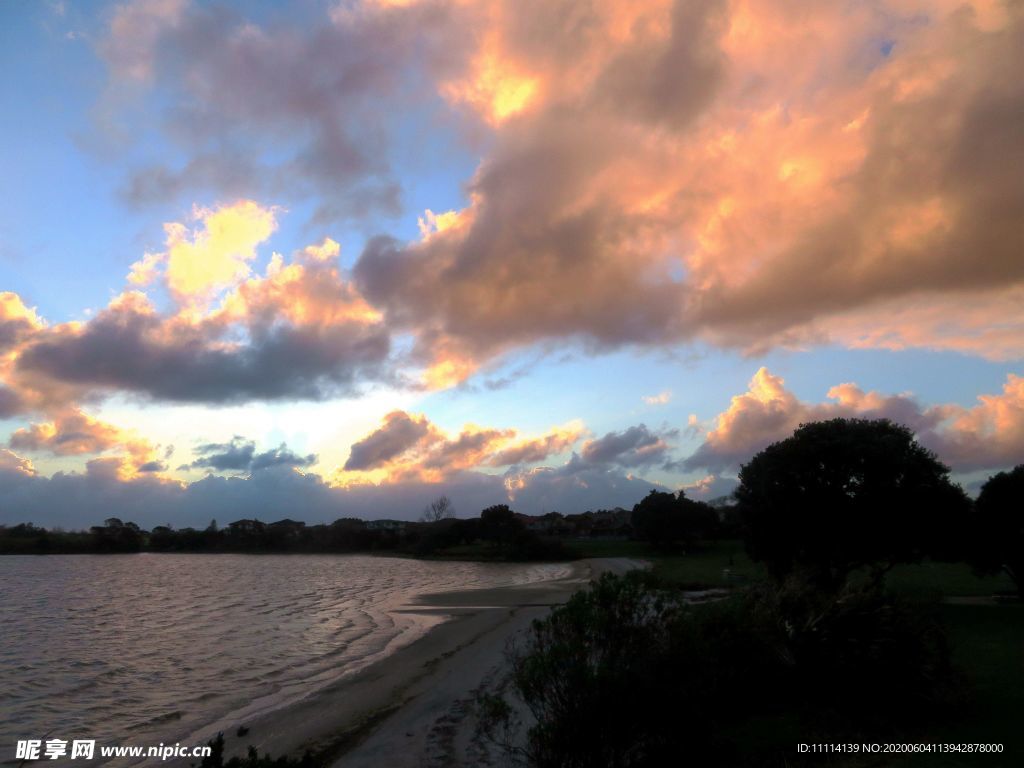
(847, 493)
(844, 650)
(116, 536)
(668, 521)
(999, 526)
(628, 674)
(499, 524)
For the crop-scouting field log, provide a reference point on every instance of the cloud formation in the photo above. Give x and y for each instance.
(201, 262)
(410, 447)
(989, 435)
(239, 455)
(80, 499)
(794, 174)
(299, 331)
(274, 109)
(72, 432)
(633, 447)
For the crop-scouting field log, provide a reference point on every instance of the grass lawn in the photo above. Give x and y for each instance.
(988, 647)
(935, 580)
(721, 564)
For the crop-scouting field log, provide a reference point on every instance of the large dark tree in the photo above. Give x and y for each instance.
(847, 493)
(999, 526)
(499, 524)
(667, 520)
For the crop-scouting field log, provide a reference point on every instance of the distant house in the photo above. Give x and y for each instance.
(611, 523)
(291, 525)
(386, 525)
(549, 524)
(246, 527)
(287, 527)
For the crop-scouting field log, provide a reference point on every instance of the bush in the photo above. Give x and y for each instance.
(861, 659)
(627, 674)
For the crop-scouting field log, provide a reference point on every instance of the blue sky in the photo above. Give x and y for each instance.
(465, 233)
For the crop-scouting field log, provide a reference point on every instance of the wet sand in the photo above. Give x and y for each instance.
(414, 708)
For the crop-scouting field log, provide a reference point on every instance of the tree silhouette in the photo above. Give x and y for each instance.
(667, 520)
(439, 509)
(847, 493)
(999, 526)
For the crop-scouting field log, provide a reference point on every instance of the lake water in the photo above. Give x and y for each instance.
(143, 649)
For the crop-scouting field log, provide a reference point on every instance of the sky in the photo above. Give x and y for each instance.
(336, 258)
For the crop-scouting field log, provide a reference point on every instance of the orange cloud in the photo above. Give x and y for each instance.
(215, 255)
(308, 291)
(72, 432)
(11, 462)
(408, 447)
(302, 329)
(17, 322)
(753, 174)
(989, 435)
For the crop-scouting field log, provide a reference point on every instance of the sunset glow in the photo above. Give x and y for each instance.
(553, 254)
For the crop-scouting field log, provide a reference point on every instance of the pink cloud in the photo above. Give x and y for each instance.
(989, 435)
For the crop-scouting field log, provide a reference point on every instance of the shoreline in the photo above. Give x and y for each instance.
(407, 708)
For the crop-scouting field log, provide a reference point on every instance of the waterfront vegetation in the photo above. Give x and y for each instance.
(854, 594)
(872, 605)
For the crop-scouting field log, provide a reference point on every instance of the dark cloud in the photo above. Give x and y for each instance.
(279, 109)
(281, 457)
(399, 433)
(537, 449)
(125, 349)
(633, 447)
(576, 487)
(240, 455)
(236, 455)
(10, 402)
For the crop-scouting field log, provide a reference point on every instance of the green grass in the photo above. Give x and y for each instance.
(934, 580)
(722, 564)
(607, 548)
(988, 647)
(697, 570)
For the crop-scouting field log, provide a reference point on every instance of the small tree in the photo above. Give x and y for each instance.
(847, 493)
(439, 509)
(999, 526)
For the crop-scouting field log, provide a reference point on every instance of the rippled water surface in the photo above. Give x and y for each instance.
(147, 648)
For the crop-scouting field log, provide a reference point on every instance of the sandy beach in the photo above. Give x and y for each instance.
(413, 708)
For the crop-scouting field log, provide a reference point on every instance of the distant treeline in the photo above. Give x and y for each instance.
(666, 520)
(497, 533)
